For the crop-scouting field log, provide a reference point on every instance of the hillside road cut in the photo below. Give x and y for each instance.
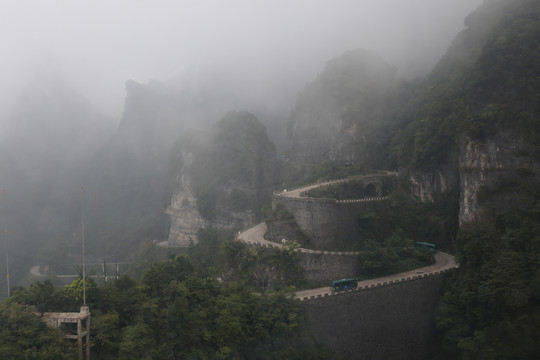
(443, 261)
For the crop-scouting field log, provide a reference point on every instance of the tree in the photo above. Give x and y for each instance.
(23, 336)
(43, 295)
(76, 293)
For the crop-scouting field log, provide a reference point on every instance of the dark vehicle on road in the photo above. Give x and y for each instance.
(343, 284)
(425, 245)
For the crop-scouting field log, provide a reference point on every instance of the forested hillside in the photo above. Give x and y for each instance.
(473, 127)
(464, 141)
(337, 114)
(492, 306)
(235, 173)
(177, 310)
(45, 143)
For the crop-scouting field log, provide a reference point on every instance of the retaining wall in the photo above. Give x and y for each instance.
(384, 321)
(329, 223)
(324, 266)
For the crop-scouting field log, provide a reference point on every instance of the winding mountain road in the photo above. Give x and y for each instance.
(255, 236)
(298, 191)
(443, 261)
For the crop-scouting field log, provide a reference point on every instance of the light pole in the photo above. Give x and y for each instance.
(6, 242)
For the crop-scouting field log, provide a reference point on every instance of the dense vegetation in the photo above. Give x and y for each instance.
(337, 113)
(235, 172)
(23, 336)
(356, 113)
(485, 89)
(386, 230)
(175, 311)
(487, 84)
(491, 308)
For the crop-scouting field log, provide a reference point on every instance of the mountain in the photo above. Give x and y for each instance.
(464, 139)
(470, 128)
(168, 139)
(335, 115)
(478, 122)
(224, 184)
(48, 138)
(127, 176)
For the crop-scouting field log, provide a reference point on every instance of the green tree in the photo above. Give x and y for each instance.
(167, 276)
(43, 295)
(79, 291)
(491, 308)
(237, 171)
(23, 336)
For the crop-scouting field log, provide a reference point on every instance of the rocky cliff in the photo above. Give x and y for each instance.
(508, 160)
(224, 184)
(185, 219)
(483, 166)
(335, 115)
(477, 129)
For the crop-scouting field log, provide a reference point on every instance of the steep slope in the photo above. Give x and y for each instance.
(127, 177)
(131, 180)
(480, 120)
(225, 183)
(47, 140)
(337, 114)
(472, 127)
(479, 114)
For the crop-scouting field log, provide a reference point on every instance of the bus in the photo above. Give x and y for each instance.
(343, 284)
(425, 245)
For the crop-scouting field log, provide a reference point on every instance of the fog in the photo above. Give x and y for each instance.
(276, 46)
(65, 66)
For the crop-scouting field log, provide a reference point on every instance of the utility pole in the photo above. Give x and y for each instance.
(6, 243)
(83, 254)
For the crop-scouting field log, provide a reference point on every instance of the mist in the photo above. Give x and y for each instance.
(273, 47)
(68, 67)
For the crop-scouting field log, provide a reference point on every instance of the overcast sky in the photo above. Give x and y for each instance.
(99, 44)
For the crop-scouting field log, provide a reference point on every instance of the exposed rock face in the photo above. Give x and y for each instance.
(334, 116)
(481, 167)
(476, 159)
(484, 163)
(424, 185)
(225, 184)
(227, 219)
(185, 217)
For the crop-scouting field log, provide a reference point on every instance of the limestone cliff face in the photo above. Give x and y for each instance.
(186, 220)
(489, 173)
(425, 184)
(224, 183)
(335, 115)
(486, 163)
(184, 215)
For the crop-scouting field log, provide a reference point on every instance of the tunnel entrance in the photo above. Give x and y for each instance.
(370, 190)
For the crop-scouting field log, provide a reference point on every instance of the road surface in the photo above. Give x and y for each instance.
(443, 261)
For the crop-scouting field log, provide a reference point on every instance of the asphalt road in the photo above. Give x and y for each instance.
(443, 261)
(255, 235)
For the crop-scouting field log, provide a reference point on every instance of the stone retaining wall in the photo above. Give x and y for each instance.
(324, 266)
(393, 320)
(329, 223)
